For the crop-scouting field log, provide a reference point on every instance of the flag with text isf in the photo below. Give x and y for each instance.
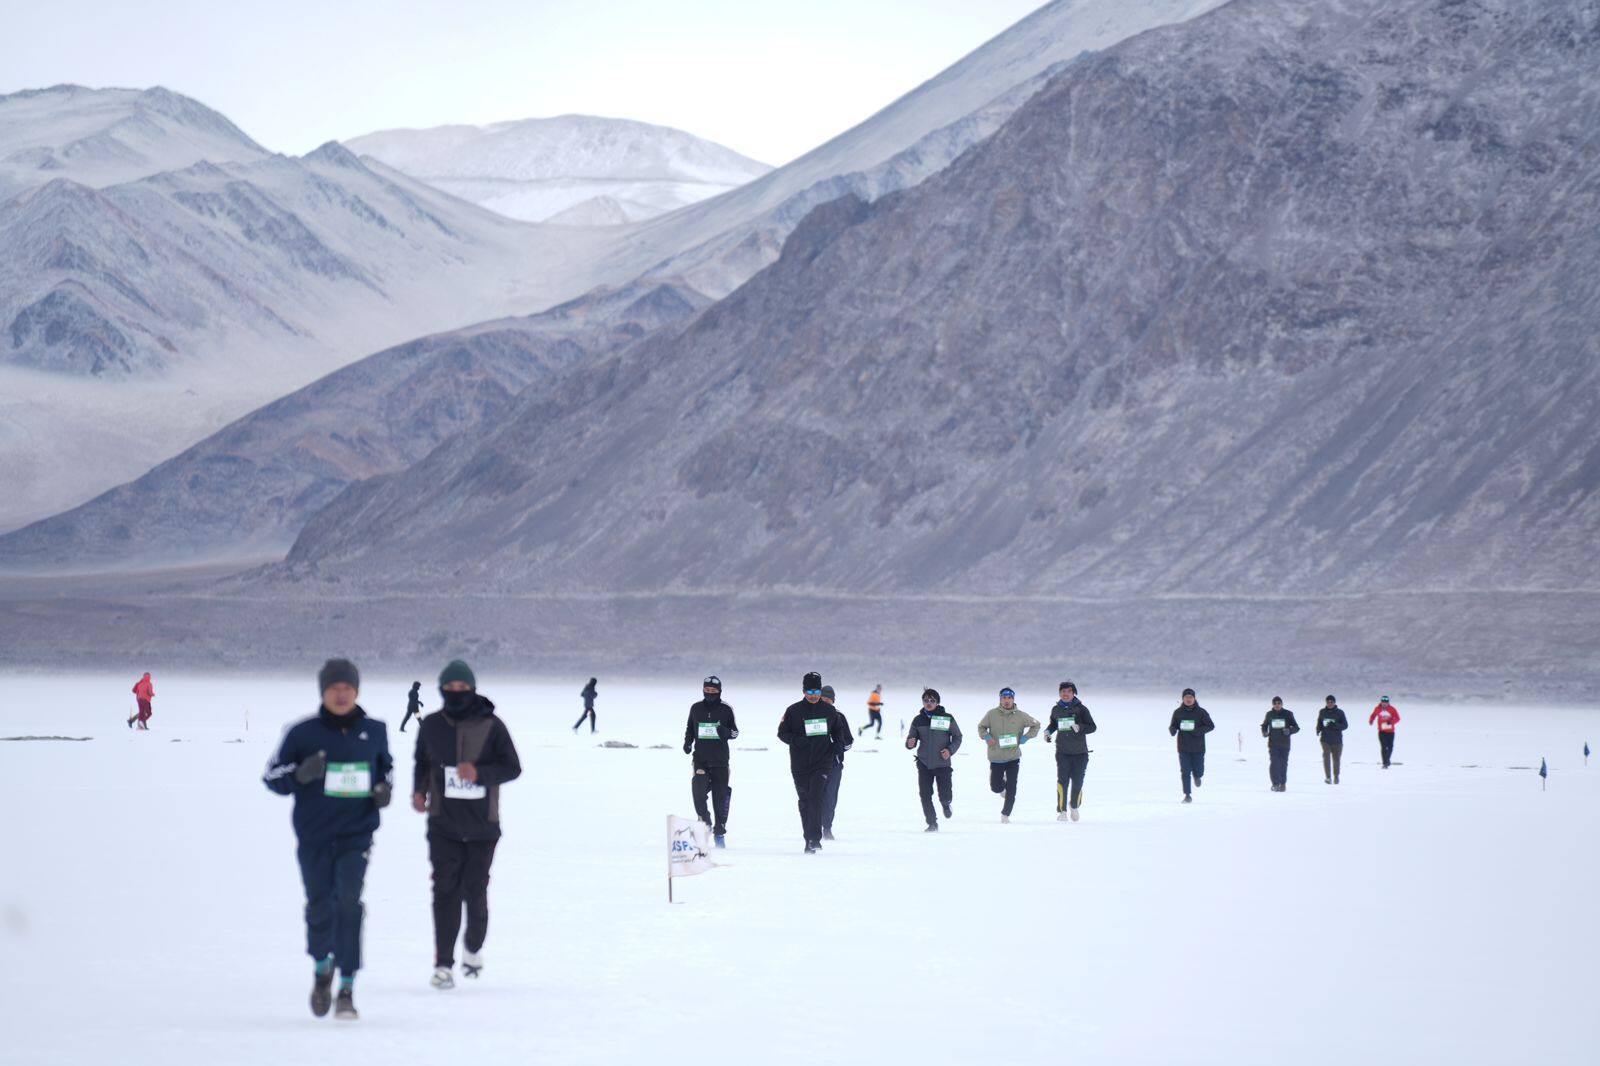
(688, 847)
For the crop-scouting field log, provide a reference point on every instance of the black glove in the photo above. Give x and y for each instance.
(688, 747)
(381, 794)
(311, 768)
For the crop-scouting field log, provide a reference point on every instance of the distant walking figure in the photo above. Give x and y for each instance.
(144, 691)
(589, 692)
(413, 705)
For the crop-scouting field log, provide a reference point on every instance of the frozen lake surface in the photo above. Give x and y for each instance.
(1442, 911)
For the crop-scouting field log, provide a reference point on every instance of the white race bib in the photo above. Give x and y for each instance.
(816, 727)
(939, 722)
(1279, 723)
(348, 780)
(1187, 725)
(457, 789)
(1329, 723)
(1008, 741)
(708, 731)
(1066, 724)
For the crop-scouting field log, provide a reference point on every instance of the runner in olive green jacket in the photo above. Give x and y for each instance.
(1005, 729)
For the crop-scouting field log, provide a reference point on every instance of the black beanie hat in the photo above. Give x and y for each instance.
(1277, 699)
(338, 672)
(1330, 699)
(1188, 692)
(456, 670)
(930, 693)
(811, 682)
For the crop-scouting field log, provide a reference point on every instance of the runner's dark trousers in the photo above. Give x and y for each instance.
(1278, 765)
(460, 875)
(712, 781)
(1003, 779)
(1191, 764)
(1386, 745)
(811, 788)
(1069, 781)
(830, 798)
(926, 778)
(1331, 754)
(587, 715)
(333, 872)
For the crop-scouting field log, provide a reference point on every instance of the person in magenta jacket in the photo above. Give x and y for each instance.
(144, 690)
(1387, 718)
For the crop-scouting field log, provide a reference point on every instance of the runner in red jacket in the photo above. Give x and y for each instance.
(144, 691)
(1387, 718)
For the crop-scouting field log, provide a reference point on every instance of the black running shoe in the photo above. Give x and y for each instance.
(345, 1006)
(321, 993)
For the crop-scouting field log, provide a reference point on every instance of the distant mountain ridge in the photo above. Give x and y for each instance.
(534, 169)
(1284, 300)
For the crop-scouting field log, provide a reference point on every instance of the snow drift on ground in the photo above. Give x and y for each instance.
(1437, 912)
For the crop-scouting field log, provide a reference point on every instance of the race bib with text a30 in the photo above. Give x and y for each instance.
(457, 789)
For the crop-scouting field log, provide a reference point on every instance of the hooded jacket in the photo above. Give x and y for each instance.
(931, 733)
(458, 810)
(144, 688)
(1009, 729)
(710, 727)
(1386, 717)
(1064, 715)
(1331, 724)
(1190, 725)
(357, 749)
(1278, 727)
(817, 735)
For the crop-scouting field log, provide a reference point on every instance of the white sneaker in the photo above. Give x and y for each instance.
(1074, 814)
(471, 963)
(442, 979)
(1005, 819)
(1062, 816)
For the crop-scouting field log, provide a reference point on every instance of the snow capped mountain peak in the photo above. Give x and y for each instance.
(538, 168)
(101, 137)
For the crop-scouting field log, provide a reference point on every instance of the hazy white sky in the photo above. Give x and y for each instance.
(769, 78)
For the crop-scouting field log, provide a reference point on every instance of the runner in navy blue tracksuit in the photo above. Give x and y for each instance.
(337, 767)
(1190, 724)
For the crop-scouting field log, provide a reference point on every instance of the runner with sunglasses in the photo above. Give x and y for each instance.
(817, 737)
(935, 737)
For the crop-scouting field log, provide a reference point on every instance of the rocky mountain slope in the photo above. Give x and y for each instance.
(1287, 300)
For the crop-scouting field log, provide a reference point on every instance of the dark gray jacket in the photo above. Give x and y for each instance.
(930, 734)
(1068, 742)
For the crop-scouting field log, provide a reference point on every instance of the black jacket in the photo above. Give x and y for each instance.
(710, 727)
(456, 810)
(929, 742)
(1193, 738)
(589, 693)
(849, 735)
(1331, 724)
(816, 734)
(354, 743)
(1279, 738)
(1068, 742)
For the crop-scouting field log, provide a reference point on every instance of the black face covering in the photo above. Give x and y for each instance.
(715, 697)
(456, 702)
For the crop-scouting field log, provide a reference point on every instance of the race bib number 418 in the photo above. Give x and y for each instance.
(348, 780)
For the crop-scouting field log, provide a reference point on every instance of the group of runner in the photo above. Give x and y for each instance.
(337, 766)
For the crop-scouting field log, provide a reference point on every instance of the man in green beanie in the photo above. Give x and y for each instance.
(464, 755)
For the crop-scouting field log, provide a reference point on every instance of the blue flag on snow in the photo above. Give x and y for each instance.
(1586, 749)
(1544, 771)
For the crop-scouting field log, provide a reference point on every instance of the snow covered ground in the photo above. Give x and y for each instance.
(1441, 911)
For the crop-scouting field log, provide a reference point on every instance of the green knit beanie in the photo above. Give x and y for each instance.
(457, 671)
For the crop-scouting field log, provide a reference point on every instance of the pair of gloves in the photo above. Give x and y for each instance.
(312, 767)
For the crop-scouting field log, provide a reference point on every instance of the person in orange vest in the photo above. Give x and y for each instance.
(1387, 718)
(144, 691)
(874, 712)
